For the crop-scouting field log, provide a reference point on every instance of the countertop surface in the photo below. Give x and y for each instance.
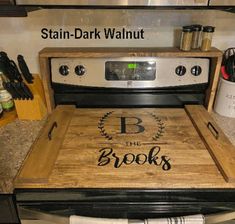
(17, 137)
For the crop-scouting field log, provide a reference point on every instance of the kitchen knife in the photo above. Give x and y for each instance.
(2, 63)
(26, 90)
(24, 69)
(9, 68)
(20, 90)
(4, 57)
(4, 69)
(15, 71)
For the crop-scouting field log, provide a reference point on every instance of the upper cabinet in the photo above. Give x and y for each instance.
(7, 2)
(9, 9)
(21, 7)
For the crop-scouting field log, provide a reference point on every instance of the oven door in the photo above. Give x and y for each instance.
(59, 205)
(226, 218)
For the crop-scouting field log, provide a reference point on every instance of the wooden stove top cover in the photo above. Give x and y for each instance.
(128, 148)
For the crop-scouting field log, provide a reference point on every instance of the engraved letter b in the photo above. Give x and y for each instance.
(124, 125)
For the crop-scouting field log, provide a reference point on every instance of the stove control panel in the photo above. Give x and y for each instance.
(130, 72)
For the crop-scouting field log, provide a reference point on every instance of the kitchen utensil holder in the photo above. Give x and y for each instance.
(32, 109)
(225, 98)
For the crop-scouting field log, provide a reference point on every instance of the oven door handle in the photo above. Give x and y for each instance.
(209, 219)
(55, 218)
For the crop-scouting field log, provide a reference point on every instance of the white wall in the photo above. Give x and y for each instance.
(23, 35)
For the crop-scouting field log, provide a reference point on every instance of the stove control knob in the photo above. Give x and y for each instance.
(180, 70)
(80, 70)
(196, 70)
(64, 70)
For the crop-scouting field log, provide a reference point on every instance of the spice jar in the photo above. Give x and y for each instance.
(196, 36)
(186, 38)
(6, 100)
(1, 81)
(207, 37)
(1, 110)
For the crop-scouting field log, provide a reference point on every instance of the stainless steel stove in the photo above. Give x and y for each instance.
(131, 78)
(139, 81)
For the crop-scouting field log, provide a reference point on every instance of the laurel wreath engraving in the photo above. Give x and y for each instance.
(158, 134)
(161, 127)
(101, 125)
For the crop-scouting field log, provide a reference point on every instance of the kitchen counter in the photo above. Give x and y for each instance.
(16, 139)
(227, 125)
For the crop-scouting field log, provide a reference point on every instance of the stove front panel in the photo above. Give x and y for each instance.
(130, 72)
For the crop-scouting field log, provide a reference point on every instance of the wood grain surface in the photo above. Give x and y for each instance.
(46, 81)
(124, 52)
(40, 161)
(8, 117)
(215, 64)
(103, 149)
(220, 148)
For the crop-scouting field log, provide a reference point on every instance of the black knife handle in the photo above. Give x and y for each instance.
(15, 71)
(24, 69)
(54, 125)
(27, 90)
(15, 86)
(9, 68)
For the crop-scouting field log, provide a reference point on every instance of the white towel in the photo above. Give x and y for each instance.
(193, 219)
(88, 220)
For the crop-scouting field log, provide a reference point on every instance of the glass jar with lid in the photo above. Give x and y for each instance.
(6, 100)
(196, 39)
(186, 38)
(1, 110)
(207, 34)
(1, 80)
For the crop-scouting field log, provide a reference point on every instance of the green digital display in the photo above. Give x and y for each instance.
(130, 70)
(132, 66)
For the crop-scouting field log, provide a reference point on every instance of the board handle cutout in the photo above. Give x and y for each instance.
(213, 130)
(54, 125)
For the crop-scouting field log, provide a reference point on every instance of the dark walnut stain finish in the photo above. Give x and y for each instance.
(126, 148)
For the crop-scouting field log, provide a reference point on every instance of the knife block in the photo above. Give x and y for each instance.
(32, 109)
